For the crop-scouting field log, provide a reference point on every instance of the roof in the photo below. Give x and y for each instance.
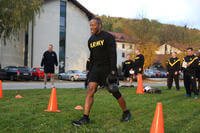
(89, 14)
(121, 37)
(182, 47)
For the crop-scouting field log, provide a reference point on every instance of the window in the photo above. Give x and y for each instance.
(123, 54)
(62, 21)
(131, 46)
(62, 41)
(123, 46)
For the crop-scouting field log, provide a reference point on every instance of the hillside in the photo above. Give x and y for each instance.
(152, 31)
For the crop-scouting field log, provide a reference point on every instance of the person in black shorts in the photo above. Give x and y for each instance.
(139, 62)
(49, 61)
(126, 68)
(103, 60)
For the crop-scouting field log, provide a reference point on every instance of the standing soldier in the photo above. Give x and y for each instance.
(198, 71)
(49, 61)
(126, 68)
(190, 65)
(139, 62)
(173, 68)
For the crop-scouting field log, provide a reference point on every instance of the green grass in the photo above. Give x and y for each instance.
(181, 115)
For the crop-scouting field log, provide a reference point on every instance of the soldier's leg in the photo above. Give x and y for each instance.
(186, 80)
(198, 80)
(176, 79)
(52, 79)
(169, 81)
(194, 84)
(126, 116)
(92, 88)
(45, 79)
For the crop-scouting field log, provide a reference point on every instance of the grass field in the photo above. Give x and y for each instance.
(181, 114)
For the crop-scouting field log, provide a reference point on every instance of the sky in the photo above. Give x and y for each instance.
(178, 12)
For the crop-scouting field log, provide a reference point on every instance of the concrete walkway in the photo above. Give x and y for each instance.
(8, 85)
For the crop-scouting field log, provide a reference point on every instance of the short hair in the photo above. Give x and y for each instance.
(51, 45)
(174, 52)
(137, 49)
(99, 21)
(190, 48)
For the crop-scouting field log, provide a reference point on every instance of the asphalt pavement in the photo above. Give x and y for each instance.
(19, 85)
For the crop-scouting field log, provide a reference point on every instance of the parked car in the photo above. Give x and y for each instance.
(23, 73)
(11, 72)
(150, 73)
(38, 73)
(17, 73)
(154, 73)
(73, 75)
(3, 74)
(163, 73)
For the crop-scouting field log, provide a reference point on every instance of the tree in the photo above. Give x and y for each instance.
(148, 50)
(16, 15)
(150, 34)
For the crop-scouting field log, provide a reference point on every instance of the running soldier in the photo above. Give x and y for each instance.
(103, 60)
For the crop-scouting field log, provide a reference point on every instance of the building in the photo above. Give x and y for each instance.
(163, 53)
(167, 49)
(63, 23)
(12, 50)
(125, 45)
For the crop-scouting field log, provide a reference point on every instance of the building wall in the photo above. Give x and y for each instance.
(166, 49)
(12, 51)
(77, 34)
(45, 31)
(126, 50)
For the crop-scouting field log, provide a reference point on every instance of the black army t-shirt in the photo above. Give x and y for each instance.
(102, 48)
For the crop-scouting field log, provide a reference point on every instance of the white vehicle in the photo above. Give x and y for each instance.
(73, 75)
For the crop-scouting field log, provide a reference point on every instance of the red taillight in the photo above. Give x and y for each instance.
(18, 73)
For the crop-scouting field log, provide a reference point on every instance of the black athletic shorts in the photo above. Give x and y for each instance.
(127, 74)
(49, 69)
(99, 74)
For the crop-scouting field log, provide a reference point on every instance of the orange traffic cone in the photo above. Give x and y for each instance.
(1, 92)
(53, 107)
(140, 89)
(157, 125)
(18, 96)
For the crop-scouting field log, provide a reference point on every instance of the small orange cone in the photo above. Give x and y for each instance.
(53, 107)
(140, 89)
(78, 107)
(18, 96)
(1, 92)
(157, 125)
